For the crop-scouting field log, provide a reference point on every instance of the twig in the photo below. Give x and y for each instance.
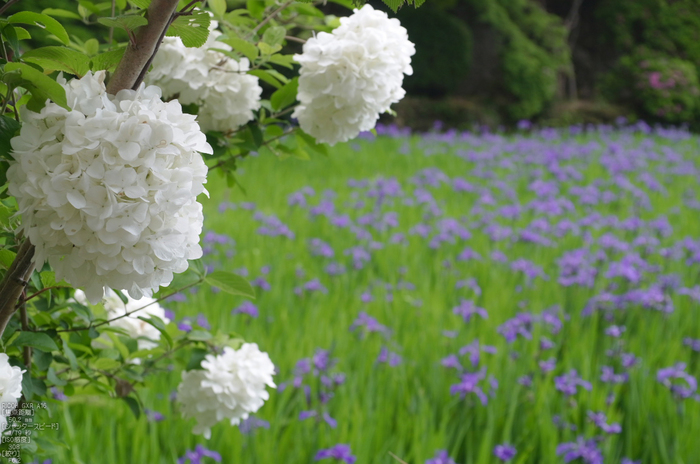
(34, 295)
(27, 350)
(15, 281)
(397, 458)
(129, 313)
(294, 39)
(7, 5)
(111, 29)
(269, 18)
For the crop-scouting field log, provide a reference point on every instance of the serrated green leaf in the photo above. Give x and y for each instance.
(42, 87)
(230, 283)
(192, 29)
(246, 48)
(107, 61)
(265, 76)
(42, 20)
(37, 340)
(274, 35)
(59, 59)
(127, 22)
(285, 95)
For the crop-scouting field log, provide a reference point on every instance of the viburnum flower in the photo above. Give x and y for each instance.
(10, 385)
(108, 190)
(229, 386)
(350, 76)
(219, 85)
(137, 328)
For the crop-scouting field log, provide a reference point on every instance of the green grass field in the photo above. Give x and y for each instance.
(408, 410)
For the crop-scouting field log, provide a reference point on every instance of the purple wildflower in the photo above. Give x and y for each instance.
(246, 308)
(504, 452)
(441, 457)
(467, 309)
(601, 420)
(338, 452)
(586, 450)
(199, 453)
(568, 383)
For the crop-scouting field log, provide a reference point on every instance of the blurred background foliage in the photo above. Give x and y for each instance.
(556, 62)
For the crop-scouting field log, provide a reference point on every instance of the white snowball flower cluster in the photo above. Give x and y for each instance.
(219, 85)
(107, 191)
(145, 333)
(10, 385)
(347, 78)
(229, 386)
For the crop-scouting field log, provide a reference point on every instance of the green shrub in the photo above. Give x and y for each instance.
(443, 50)
(659, 88)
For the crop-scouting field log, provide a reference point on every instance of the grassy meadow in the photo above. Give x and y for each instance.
(471, 290)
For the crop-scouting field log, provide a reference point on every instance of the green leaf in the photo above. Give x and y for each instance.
(266, 77)
(274, 35)
(158, 323)
(53, 378)
(37, 340)
(10, 35)
(42, 87)
(91, 46)
(199, 335)
(196, 359)
(7, 257)
(127, 22)
(230, 283)
(266, 49)
(42, 360)
(72, 360)
(44, 21)
(256, 8)
(107, 61)
(218, 7)
(32, 387)
(143, 4)
(244, 47)
(8, 129)
(60, 13)
(285, 95)
(192, 29)
(133, 405)
(59, 59)
(105, 364)
(320, 148)
(282, 60)
(120, 346)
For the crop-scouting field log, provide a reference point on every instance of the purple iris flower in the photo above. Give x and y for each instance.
(340, 452)
(249, 425)
(601, 420)
(586, 450)
(467, 309)
(441, 457)
(504, 452)
(199, 453)
(568, 383)
(246, 308)
(683, 390)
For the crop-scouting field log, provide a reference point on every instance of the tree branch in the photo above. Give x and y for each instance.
(15, 281)
(138, 55)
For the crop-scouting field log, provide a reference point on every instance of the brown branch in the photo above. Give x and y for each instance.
(138, 56)
(294, 39)
(7, 5)
(14, 282)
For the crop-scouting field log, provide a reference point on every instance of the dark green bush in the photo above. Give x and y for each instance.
(443, 50)
(659, 88)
